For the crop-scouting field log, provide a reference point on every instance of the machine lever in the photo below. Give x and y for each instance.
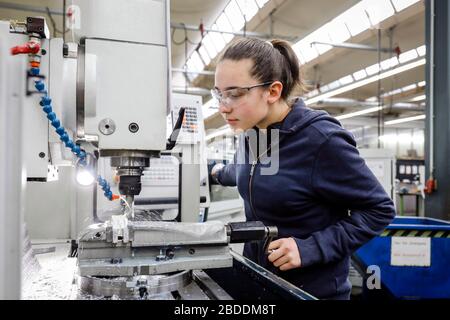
(176, 130)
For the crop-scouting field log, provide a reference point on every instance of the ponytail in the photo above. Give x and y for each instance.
(290, 72)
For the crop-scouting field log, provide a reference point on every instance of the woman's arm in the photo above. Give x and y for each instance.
(342, 178)
(225, 175)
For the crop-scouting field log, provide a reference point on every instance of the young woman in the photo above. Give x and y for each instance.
(322, 197)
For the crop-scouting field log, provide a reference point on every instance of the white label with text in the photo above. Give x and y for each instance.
(411, 251)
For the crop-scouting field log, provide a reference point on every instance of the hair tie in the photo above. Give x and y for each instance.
(270, 43)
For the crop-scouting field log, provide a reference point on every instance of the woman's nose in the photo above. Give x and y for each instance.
(224, 109)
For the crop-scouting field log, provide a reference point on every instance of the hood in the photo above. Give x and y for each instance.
(300, 117)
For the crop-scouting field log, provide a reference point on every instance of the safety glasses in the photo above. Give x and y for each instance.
(230, 96)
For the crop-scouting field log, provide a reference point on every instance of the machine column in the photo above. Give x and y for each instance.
(12, 177)
(437, 204)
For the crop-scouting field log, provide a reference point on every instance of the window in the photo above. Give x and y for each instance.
(409, 87)
(392, 93)
(297, 47)
(356, 19)
(299, 55)
(334, 85)
(338, 30)
(352, 22)
(205, 56)
(197, 61)
(307, 52)
(320, 35)
(209, 46)
(408, 56)
(403, 4)
(346, 80)
(361, 74)
(191, 67)
(261, 3)
(234, 15)
(217, 39)
(224, 24)
(422, 50)
(324, 88)
(378, 10)
(249, 8)
(191, 76)
(389, 63)
(373, 69)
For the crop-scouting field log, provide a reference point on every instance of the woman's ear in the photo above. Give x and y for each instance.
(275, 90)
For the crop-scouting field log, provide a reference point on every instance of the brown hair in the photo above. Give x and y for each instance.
(273, 60)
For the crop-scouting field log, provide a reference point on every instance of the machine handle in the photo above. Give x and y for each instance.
(251, 230)
(176, 130)
(27, 48)
(272, 233)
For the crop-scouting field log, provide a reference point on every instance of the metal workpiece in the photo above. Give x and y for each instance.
(128, 248)
(118, 231)
(157, 233)
(147, 233)
(94, 232)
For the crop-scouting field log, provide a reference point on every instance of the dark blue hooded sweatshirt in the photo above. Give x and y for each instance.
(323, 195)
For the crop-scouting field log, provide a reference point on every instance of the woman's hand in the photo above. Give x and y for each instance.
(284, 254)
(215, 170)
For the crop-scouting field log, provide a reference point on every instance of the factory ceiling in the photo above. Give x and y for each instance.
(340, 80)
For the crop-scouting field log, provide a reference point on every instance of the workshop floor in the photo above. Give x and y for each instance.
(54, 280)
